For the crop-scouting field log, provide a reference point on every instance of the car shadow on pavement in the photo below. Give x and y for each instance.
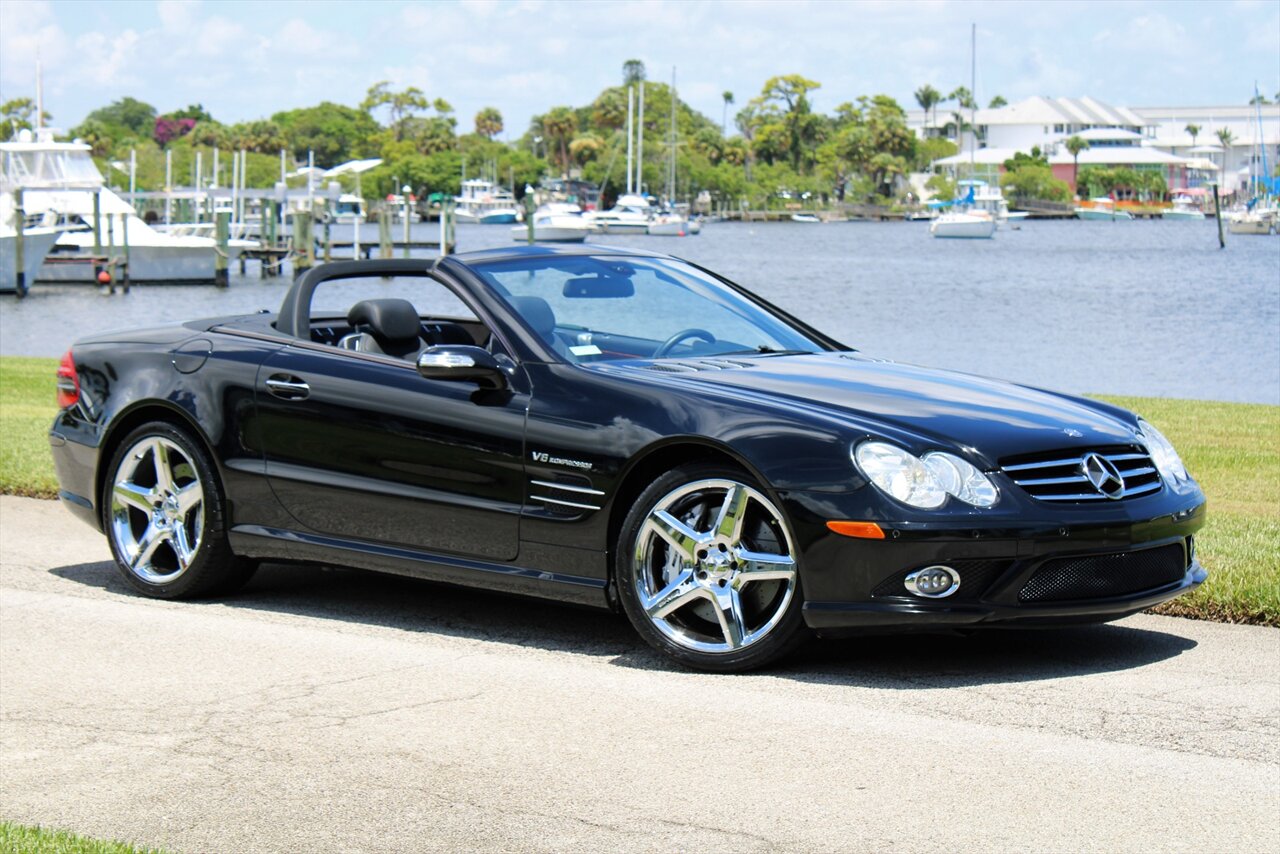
(898, 662)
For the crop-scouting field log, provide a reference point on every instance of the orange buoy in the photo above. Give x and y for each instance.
(104, 278)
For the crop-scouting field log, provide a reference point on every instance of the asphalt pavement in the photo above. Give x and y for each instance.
(332, 710)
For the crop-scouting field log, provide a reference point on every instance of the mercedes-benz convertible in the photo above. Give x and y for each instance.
(618, 429)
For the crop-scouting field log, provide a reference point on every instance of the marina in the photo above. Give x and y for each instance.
(1087, 307)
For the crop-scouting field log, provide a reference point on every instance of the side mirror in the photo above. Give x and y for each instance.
(462, 363)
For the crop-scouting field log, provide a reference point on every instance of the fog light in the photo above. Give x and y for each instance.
(933, 582)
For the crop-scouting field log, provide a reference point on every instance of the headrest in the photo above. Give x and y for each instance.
(537, 313)
(393, 319)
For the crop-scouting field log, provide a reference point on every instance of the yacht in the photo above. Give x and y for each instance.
(59, 181)
(486, 203)
(990, 199)
(1183, 209)
(630, 215)
(668, 223)
(555, 222)
(349, 208)
(36, 243)
(1101, 208)
(1257, 221)
(975, 225)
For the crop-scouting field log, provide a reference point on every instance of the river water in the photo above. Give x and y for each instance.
(1145, 308)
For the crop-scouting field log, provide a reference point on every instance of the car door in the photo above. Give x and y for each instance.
(362, 447)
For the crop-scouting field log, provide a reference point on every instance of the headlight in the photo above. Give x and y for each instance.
(1167, 461)
(923, 482)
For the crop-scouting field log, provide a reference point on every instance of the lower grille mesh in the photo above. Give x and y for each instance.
(1104, 576)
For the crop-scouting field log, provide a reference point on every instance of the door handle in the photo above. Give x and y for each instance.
(288, 387)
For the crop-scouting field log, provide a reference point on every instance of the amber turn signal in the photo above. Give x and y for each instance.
(861, 530)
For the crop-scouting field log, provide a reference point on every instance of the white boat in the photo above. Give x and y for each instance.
(554, 222)
(59, 181)
(1257, 222)
(1183, 209)
(36, 243)
(349, 208)
(1103, 208)
(671, 224)
(485, 203)
(975, 225)
(630, 215)
(990, 199)
(803, 217)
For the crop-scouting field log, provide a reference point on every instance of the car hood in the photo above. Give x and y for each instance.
(994, 418)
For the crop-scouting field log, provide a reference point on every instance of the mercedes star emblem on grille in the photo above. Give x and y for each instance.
(1103, 475)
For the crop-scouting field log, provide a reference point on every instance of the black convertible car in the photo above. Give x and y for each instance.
(619, 429)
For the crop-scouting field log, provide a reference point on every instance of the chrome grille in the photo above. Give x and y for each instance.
(1059, 475)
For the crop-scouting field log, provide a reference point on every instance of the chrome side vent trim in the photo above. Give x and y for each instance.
(564, 497)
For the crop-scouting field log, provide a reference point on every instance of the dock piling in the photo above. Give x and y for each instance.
(97, 234)
(328, 242)
(384, 234)
(124, 240)
(1217, 214)
(528, 216)
(222, 232)
(19, 260)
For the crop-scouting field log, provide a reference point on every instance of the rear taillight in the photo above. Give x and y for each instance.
(68, 382)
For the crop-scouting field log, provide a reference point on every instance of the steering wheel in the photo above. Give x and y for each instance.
(671, 342)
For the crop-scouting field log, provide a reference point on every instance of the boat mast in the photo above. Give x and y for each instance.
(671, 174)
(640, 143)
(631, 97)
(973, 99)
(39, 96)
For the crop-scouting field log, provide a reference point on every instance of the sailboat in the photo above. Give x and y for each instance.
(1261, 216)
(968, 221)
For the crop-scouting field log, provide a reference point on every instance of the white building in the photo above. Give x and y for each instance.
(1142, 137)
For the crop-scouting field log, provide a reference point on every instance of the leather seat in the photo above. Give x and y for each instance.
(538, 314)
(388, 326)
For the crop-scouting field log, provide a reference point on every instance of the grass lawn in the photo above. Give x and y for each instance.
(1232, 449)
(21, 839)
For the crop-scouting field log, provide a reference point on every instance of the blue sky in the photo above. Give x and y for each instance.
(246, 60)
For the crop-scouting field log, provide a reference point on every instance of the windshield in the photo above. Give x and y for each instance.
(592, 308)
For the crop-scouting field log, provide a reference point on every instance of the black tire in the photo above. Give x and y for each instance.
(732, 605)
(180, 523)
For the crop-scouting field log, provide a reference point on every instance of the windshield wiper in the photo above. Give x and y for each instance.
(765, 350)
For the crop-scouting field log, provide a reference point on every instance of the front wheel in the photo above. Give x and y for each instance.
(165, 517)
(707, 571)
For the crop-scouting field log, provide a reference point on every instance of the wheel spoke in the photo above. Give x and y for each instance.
(181, 545)
(762, 566)
(729, 612)
(147, 545)
(732, 514)
(164, 469)
(189, 497)
(137, 497)
(677, 534)
(675, 595)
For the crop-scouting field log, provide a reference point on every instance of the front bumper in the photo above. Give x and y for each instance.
(856, 585)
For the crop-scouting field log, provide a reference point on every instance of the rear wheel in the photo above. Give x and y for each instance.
(707, 571)
(164, 514)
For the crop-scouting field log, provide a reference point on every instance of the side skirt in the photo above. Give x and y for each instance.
(276, 543)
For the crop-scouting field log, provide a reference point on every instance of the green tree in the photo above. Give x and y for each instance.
(963, 98)
(191, 111)
(997, 102)
(137, 117)
(1193, 131)
(633, 72)
(1258, 99)
(559, 126)
(489, 122)
(727, 97)
(1074, 146)
(400, 105)
(1034, 180)
(1225, 136)
(17, 115)
(784, 101)
(260, 136)
(609, 110)
(336, 133)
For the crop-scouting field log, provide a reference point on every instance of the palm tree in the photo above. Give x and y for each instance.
(997, 102)
(928, 98)
(1075, 145)
(1193, 131)
(559, 125)
(489, 122)
(724, 116)
(1226, 137)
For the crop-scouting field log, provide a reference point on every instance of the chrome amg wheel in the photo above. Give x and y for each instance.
(164, 515)
(157, 510)
(712, 572)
